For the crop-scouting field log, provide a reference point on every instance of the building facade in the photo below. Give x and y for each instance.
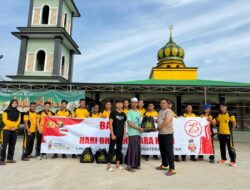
(47, 47)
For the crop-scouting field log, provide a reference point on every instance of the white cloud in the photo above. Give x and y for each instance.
(204, 25)
(228, 46)
(176, 3)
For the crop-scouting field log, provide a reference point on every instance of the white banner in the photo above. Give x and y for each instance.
(71, 136)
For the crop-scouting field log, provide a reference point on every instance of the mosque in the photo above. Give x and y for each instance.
(46, 61)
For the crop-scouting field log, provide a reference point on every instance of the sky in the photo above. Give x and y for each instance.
(119, 40)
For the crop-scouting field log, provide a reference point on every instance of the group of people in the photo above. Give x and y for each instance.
(125, 120)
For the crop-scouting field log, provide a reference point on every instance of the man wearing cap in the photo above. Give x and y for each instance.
(134, 119)
(206, 114)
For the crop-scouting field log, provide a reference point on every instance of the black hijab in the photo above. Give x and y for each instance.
(12, 113)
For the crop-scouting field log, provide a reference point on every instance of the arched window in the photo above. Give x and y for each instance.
(63, 66)
(65, 21)
(45, 15)
(168, 66)
(177, 66)
(40, 60)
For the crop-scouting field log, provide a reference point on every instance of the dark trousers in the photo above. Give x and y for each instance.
(166, 144)
(28, 143)
(8, 139)
(227, 140)
(38, 143)
(118, 142)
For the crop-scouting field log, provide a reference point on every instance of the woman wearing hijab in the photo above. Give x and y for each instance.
(11, 119)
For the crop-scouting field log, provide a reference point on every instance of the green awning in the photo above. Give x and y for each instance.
(184, 83)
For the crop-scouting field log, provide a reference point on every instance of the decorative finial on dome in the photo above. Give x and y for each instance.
(171, 27)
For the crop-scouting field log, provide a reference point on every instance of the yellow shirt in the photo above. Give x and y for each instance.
(125, 111)
(189, 115)
(106, 113)
(224, 123)
(96, 115)
(81, 113)
(209, 116)
(41, 115)
(142, 111)
(31, 118)
(65, 113)
(151, 114)
(8, 124)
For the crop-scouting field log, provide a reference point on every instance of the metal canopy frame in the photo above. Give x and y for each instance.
(122, 88)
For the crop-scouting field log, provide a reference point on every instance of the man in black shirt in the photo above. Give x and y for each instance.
(117, 120)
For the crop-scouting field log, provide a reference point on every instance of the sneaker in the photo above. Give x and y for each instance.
(212, 161)
(232, 164)
(64, 156)
(146, 157)
(130, 169)
(11, 161)
(171, 172)
(193, 159)
(2, 163)
(110, 169)
(155, 157)
(43, 157)
(184, 159)
(31, 156)
(120, 168)
(177, 160)
(54, 156)
(37, 158)
(25, 159)
(222, 161)
(137, 168)
(161, 167)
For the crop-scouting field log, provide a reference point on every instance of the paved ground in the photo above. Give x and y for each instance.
(70, 174)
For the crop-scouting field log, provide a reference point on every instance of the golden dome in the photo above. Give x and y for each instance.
(171, 51)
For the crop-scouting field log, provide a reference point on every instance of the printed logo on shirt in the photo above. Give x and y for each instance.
(119, 117)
